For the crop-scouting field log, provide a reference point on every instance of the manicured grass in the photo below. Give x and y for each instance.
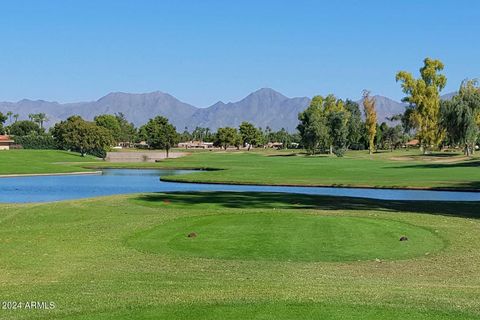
(400, 169)
(275, 311)
(42, 161)
(79, 254)
(288, 237)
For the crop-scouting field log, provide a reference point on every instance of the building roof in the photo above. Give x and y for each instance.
(5, 138)
(413, 142)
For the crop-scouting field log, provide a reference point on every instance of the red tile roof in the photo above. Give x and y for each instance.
(5, 138)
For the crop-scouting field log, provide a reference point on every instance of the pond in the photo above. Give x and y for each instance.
(125, 181)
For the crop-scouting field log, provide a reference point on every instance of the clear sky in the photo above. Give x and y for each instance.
(203, 51)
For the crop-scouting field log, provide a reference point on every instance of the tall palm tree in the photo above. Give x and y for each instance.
(41, 118)
(38, 118)
(15, 116)
(9, 115)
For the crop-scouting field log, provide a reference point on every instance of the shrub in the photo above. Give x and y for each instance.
(36, 141)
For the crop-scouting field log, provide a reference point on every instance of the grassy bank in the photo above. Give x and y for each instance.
(400, 169)
(42, 161)
(255, 256)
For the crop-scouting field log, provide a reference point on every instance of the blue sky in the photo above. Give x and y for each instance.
(205, 51)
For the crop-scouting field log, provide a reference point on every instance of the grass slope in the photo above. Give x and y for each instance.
(41, 161)
(78, 254)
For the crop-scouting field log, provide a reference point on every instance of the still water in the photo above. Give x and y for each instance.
(124, 181)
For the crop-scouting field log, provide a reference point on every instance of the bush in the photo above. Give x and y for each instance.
(36, 141)
(339, 152)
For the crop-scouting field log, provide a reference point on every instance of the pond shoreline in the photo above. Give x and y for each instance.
(345, 186)
(19, 175)
(172, 179)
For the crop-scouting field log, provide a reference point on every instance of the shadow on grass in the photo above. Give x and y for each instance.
(283, 155)
(438, 155)
(264, 200)
(461, 164)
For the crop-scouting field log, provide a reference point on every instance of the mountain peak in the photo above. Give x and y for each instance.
(266, 95)
(267, 91)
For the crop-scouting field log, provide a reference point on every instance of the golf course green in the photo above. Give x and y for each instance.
(276, 237)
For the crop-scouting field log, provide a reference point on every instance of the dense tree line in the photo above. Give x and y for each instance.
(331, 125)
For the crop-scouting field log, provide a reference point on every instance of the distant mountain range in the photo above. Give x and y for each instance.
(264, 107)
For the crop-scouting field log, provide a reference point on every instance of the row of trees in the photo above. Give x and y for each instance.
(96, 137)
(333, 125)
(105, 131)
(247, 134)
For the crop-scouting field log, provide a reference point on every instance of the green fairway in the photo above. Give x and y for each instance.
(288, 237)
(127, 257)
(400, 169)
(42, 161)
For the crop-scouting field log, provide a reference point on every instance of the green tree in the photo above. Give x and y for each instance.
(111, 123)
(9, 115)
(199, 134)
(283, 137)
(85, 137)
(15, 116)
(202, 134)
(423, 94)
(24, 127)
(185, 136)
(355, 126)
(312, 127)
(461, 116)
(379, 137)
(128, 132)
(370, 119)
(38, 118)
(250, 135)
(393, 137)
(160, 134)
(3, 118)
(226, 137)
(338, 130)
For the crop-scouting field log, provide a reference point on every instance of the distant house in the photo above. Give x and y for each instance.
(413, 143)
(6, 142)
(196, 145)
(274, 145)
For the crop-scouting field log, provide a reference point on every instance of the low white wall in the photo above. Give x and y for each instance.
(147, 156)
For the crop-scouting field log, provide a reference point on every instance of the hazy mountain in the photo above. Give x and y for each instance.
(385, 107)
(265, 107)
(448, 96)
(138, 108)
